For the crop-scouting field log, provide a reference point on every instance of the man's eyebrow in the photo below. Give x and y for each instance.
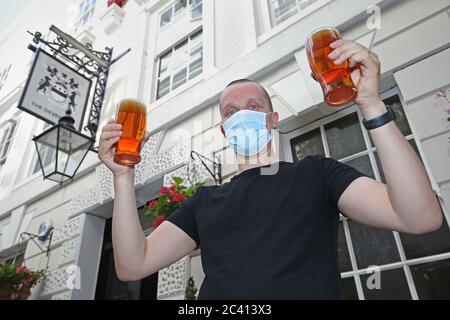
(228, 105)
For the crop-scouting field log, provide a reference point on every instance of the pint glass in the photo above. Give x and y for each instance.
(132, 115)
(337, 85)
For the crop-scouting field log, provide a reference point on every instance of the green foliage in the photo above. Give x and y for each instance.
(18, 276)
(169, 199)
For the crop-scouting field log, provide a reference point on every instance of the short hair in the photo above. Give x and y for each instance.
(266, 94)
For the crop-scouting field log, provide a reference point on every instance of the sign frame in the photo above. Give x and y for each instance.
(81, 117)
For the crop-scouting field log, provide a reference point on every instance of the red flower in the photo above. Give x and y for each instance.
(178, 197)
(164, 190)
(20, 269)
(159, 219)
(152, 203)
(172, 190)
(28, 282)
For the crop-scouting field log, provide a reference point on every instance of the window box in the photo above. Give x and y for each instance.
(112, 19)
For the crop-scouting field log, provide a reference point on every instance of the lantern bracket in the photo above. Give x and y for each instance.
(30, 236)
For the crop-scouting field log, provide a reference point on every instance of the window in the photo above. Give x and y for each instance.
(49, 155)
(411, 266)
(179, 8)
(6, 138)
(180, 64)
(85, 12)
(284, 9)
(3, 76)
(196, 10)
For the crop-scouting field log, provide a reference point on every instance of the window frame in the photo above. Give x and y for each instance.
(175, 17)
(4, 76)
(274, 19)
(84, 13)
(187, 64)
(9, 135)
(404, 262)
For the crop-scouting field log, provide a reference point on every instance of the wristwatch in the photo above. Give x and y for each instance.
(379, 121)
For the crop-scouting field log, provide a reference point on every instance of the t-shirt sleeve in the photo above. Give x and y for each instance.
(184, 218)
(337, 177)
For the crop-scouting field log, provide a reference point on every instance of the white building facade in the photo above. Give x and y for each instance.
(184, 52)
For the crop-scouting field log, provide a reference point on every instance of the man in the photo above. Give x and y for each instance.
(275, 236)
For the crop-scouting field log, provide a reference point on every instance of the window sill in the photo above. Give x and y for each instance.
(112, 19)
(292, 20)
(184, 87)
(85, 36)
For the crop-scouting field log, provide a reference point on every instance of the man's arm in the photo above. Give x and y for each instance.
(406, 202)
(135, 255)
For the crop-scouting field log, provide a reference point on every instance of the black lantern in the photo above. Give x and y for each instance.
(61, 150)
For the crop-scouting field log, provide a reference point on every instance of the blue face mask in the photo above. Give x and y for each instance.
(247, 133)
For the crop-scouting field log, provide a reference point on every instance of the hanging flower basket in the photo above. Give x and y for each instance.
(120, 3)
(16, 281)
(169, 199)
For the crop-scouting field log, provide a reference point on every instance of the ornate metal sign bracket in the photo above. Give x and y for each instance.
(88, 62)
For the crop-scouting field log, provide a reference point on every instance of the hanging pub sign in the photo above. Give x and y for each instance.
(53, 88)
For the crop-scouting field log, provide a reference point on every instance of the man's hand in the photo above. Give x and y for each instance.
(111, 133)
(365, 71)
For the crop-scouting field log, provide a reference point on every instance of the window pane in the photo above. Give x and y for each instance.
(166, 17)
(283, 9)
(86, 6)
(372, 246)
(348, 289)
(195, 68)
(436, 242)
(196, 9)
(432, 279)
(164, 65)
(401, 121)
(362, 164)
(180, 56)
(345, 137)
(306, 145)
(163, 87)
(196, 44)
(179, 78)
(393, 286)
(344, 258)
(180, 6)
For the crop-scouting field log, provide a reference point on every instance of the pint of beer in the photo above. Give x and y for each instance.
(337, 85)
(132, 115)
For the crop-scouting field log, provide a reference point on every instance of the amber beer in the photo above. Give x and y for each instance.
(132, 115)
(337, 85)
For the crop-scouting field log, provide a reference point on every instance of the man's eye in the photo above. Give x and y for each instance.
(253, 107)
(229, 113)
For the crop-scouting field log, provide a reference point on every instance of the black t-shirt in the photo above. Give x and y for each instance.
(270, 236)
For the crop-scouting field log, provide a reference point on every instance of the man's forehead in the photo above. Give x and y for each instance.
(240, 91)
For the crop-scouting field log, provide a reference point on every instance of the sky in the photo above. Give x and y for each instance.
(10, 9)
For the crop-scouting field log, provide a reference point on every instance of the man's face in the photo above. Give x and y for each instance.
(247, 95)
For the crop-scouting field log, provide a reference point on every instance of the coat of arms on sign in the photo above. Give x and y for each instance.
(59, 87)
(54, 87)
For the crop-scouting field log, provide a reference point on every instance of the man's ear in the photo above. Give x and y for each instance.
(273, 121)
